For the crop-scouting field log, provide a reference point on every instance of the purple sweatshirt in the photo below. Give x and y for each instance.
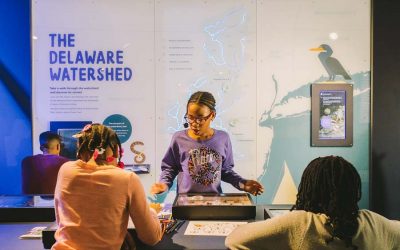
(199, 165)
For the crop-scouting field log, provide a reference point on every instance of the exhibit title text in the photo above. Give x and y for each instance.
(70, 64)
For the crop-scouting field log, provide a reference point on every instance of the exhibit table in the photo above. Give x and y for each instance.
(10, 232)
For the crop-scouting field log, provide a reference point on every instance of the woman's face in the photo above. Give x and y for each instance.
(199, 117)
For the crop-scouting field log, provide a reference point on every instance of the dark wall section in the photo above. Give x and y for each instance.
(385, 172)
(15, 92)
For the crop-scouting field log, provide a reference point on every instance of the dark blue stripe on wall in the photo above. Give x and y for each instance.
(15, 95)
(14, 88)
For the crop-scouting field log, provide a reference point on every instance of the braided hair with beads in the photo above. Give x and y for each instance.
(97, 137)
(332, 186)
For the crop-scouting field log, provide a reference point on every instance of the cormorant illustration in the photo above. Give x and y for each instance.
(331, 64)
(290, 144)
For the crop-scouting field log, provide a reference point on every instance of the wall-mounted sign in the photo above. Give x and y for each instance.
(332, 114)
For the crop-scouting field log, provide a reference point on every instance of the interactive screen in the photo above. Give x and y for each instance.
(332, 114)
(66, 129)
(69, 147)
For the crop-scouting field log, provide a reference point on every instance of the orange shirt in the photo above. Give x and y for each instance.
(93, 205)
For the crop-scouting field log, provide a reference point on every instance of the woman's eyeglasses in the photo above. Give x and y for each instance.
(198, 119)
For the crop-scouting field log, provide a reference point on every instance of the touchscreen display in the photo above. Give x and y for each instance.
(332, 114)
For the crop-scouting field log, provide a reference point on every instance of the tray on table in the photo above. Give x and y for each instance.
(210, 206)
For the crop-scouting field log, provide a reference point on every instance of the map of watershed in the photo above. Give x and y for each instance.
(227, 48)
(224, 50)
(221, 61)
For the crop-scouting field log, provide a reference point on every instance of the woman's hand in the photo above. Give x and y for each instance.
(253, 187)
(158, 188)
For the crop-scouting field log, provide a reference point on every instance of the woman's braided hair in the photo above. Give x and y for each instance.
(332, 186)
(97, 136)
(204, 98)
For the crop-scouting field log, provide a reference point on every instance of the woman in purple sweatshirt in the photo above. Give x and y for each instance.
(201, 156)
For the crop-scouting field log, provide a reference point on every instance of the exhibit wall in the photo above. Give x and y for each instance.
(132, 65)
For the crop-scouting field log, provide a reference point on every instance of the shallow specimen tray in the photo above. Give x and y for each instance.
(210, 206)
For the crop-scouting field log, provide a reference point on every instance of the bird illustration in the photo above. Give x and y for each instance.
(331, 64)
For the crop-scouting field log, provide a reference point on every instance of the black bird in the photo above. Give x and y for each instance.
(331, 64)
